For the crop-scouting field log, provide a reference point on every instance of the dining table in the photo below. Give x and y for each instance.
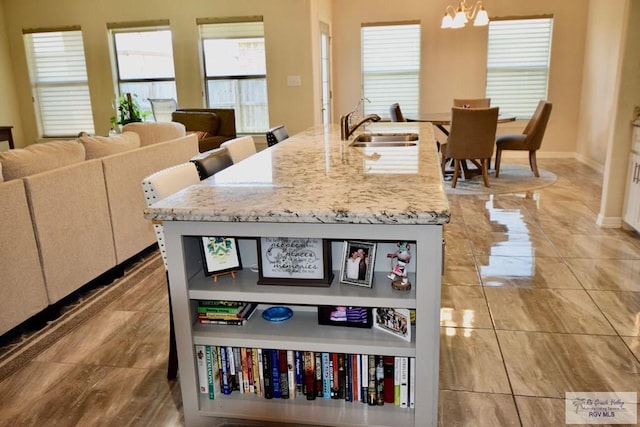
(440, 120)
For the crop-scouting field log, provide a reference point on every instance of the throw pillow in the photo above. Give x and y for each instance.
(101, 146)
(40, 157)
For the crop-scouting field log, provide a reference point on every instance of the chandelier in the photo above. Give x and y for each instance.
(458, 18)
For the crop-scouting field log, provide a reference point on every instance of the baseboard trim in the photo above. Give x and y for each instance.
(609, 222)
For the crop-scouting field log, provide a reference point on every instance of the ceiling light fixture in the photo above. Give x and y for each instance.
(458, 18)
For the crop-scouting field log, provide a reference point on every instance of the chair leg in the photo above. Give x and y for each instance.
(498, 158)
(533, 163)
(172, 364)
(485, 172)
(456, 171)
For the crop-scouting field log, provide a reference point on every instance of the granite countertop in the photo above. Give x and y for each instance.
(314, 177)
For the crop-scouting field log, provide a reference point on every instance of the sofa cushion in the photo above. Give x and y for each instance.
(198, 121)
(40, 157)
(102, 146)
(154, 132)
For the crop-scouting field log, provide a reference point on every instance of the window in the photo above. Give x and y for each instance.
(59, 82)
(236, 72)
(518, 64)
(391, 67)
(144, 62)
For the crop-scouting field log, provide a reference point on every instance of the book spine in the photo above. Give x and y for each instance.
(364, 378)
(404, 382)
(218, 303)
(355, 378)
(245, 369)
(224, 366)
(389, 389)
(291, 374)
(203, 367)
(219, 309)
(275, 374)
(326, 375)
(237, 322)
(238, 368)
(371, 388)
(347, 378)
(341, 376)
(299, 371)
(396, 381)
(266, 369)
(309, 375)
(379, 380)
(215, 357)
(260, 372)
(412, 382)
(283, 374)
(318, 371)
(334, 375)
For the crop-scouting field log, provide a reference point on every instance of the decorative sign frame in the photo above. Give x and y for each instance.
(294, 261)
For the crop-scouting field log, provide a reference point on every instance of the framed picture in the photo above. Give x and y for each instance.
(220, 255)
(357, 263)
(355, 317)
(396, 321)
(294, 261)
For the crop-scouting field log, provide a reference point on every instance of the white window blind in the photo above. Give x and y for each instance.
(518, 64)
(236, 71)
(59, 82)
(391, 67)
(144, 59)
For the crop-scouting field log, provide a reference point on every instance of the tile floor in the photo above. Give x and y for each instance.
(536, 301)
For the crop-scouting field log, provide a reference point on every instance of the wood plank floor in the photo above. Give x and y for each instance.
(537, 301)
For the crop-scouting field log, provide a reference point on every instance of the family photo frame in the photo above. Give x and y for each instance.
(358, 260)
(354, 317)
(395, 321)
(220, 255)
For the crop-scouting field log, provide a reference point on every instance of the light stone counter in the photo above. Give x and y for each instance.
(313, 177)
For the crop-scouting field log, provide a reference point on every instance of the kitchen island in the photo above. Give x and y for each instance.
(313, 185)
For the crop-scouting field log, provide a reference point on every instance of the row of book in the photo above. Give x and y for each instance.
(216, 312)
(291, 374)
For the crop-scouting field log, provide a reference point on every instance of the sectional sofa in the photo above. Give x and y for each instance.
(71, 211)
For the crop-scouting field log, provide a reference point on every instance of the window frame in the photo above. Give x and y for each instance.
(77, 116)
(204, 27)
(141, 27)
(506, 70)
(412, 59)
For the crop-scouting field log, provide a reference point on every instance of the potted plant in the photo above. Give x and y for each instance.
(128, 110)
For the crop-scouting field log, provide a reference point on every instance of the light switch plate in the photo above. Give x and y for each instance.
(294, 81)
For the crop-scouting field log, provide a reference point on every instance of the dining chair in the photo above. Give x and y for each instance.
(472, 137)
(529, 140)
(162, 108)
(156, 187)
(396, 113)
(276, 134)
(212, 161)
(472, 103)
(240, 148)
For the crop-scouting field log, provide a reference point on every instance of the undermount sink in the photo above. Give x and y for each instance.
(385, 140)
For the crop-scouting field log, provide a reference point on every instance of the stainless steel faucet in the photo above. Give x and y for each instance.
(346, 129)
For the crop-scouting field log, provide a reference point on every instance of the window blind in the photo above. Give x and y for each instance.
(59, 82)
(518, 64)
(391, 67)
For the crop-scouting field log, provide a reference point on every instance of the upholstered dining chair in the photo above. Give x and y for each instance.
(212, 161)
(472, 103)
(529, 140)
(472, 137)
(276, 134)
(162, 108)
(396, 113)
(240, 148)
(156, 187)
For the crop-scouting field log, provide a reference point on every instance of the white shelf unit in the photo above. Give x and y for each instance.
(302, 332)
(632, 205)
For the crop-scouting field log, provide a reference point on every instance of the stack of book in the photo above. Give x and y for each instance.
(225, 312)
(288, 374)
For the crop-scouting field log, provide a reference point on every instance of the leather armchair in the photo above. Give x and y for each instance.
(213, 125)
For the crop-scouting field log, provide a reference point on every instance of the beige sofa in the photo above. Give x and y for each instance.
(73, 210)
